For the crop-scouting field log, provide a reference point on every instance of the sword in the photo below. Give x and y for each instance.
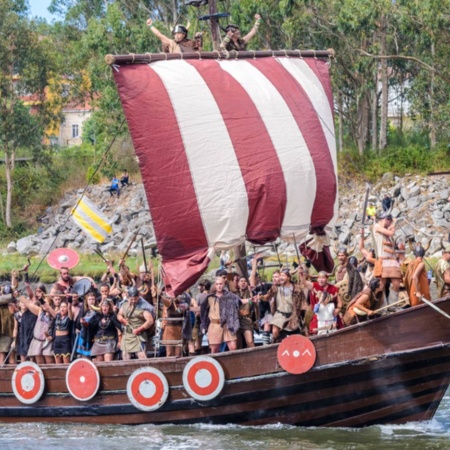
(74, 349)
(13, 346)
(130, 244)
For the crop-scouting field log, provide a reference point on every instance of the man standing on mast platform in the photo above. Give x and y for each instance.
(233, 40)
(180, 43)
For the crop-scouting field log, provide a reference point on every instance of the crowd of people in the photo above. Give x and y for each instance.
(119, 317)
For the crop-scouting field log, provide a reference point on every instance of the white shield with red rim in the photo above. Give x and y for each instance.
(82, 379)
(63, 257)
(203, 378)
(147, 388)
(28, 382)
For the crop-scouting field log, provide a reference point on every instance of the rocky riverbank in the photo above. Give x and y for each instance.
(420, 205)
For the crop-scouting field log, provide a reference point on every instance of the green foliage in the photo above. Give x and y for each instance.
(410, 158)
(90, 177)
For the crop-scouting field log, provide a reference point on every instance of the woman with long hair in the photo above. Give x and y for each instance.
(62, 342)
(107, 329)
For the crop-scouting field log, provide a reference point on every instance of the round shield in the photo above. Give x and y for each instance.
(147, 389)
(28, 382)
(82, 286)
(203, 378)
(296, 354)
(82, 379)
(63, 257)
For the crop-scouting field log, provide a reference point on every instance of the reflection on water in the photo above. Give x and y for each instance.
(414, 436)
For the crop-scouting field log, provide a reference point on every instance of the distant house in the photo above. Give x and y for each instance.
(70, 130)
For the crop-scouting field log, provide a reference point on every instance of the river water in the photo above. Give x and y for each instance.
(434, 434)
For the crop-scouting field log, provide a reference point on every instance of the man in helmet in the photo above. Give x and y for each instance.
(145, 284)
(180, 42)
(137, 317)
(233, 40)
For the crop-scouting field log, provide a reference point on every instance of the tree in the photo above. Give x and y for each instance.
(26, 78)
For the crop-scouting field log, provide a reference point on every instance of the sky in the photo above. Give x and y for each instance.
(39, 8)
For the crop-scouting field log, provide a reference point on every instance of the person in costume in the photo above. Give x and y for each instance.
(233, 39)
(195, 343)
(288, 306)
(176, 309)
(144, 283)
(138, 318)
(364, 301)
(416, 280)
(219, 315)
(41, 349)
(387, 266)
(367, 269)
(62, 333)
(107, 329)
(6, 323)
(441, 266)
(246, 312)
(84, 325)
(321, 291)
(347, 272)
(25, 322)
(180, 42)
(65, 282)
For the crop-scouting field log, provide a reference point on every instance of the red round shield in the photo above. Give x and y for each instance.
(63, 257)
(203, 378)
(28, 382)
(147, 389)
(82, 379)
(296, 354)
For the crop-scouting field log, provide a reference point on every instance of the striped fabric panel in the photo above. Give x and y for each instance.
(91, 220)
(230, 150)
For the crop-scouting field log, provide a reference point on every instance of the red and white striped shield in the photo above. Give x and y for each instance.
(82, 379)
(28, 382)
(230, 150)
(203, 378)
(147, 389)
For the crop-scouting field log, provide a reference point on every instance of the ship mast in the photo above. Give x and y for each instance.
(214, 25)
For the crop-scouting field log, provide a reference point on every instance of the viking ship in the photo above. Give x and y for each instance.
(232, 150)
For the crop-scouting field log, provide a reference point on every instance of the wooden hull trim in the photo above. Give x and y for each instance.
(386, 390)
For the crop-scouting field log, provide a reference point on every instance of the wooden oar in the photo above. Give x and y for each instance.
(360, 312)
(328, 328)
(439, 310)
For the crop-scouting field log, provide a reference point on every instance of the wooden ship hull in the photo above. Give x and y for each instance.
(393, 369)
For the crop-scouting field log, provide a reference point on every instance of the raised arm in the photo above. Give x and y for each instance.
(305, 282)
(367, 255)
(164, 39)
(30, 305)
(253, 31)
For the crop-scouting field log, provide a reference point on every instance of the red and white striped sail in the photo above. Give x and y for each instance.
(230, 150)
